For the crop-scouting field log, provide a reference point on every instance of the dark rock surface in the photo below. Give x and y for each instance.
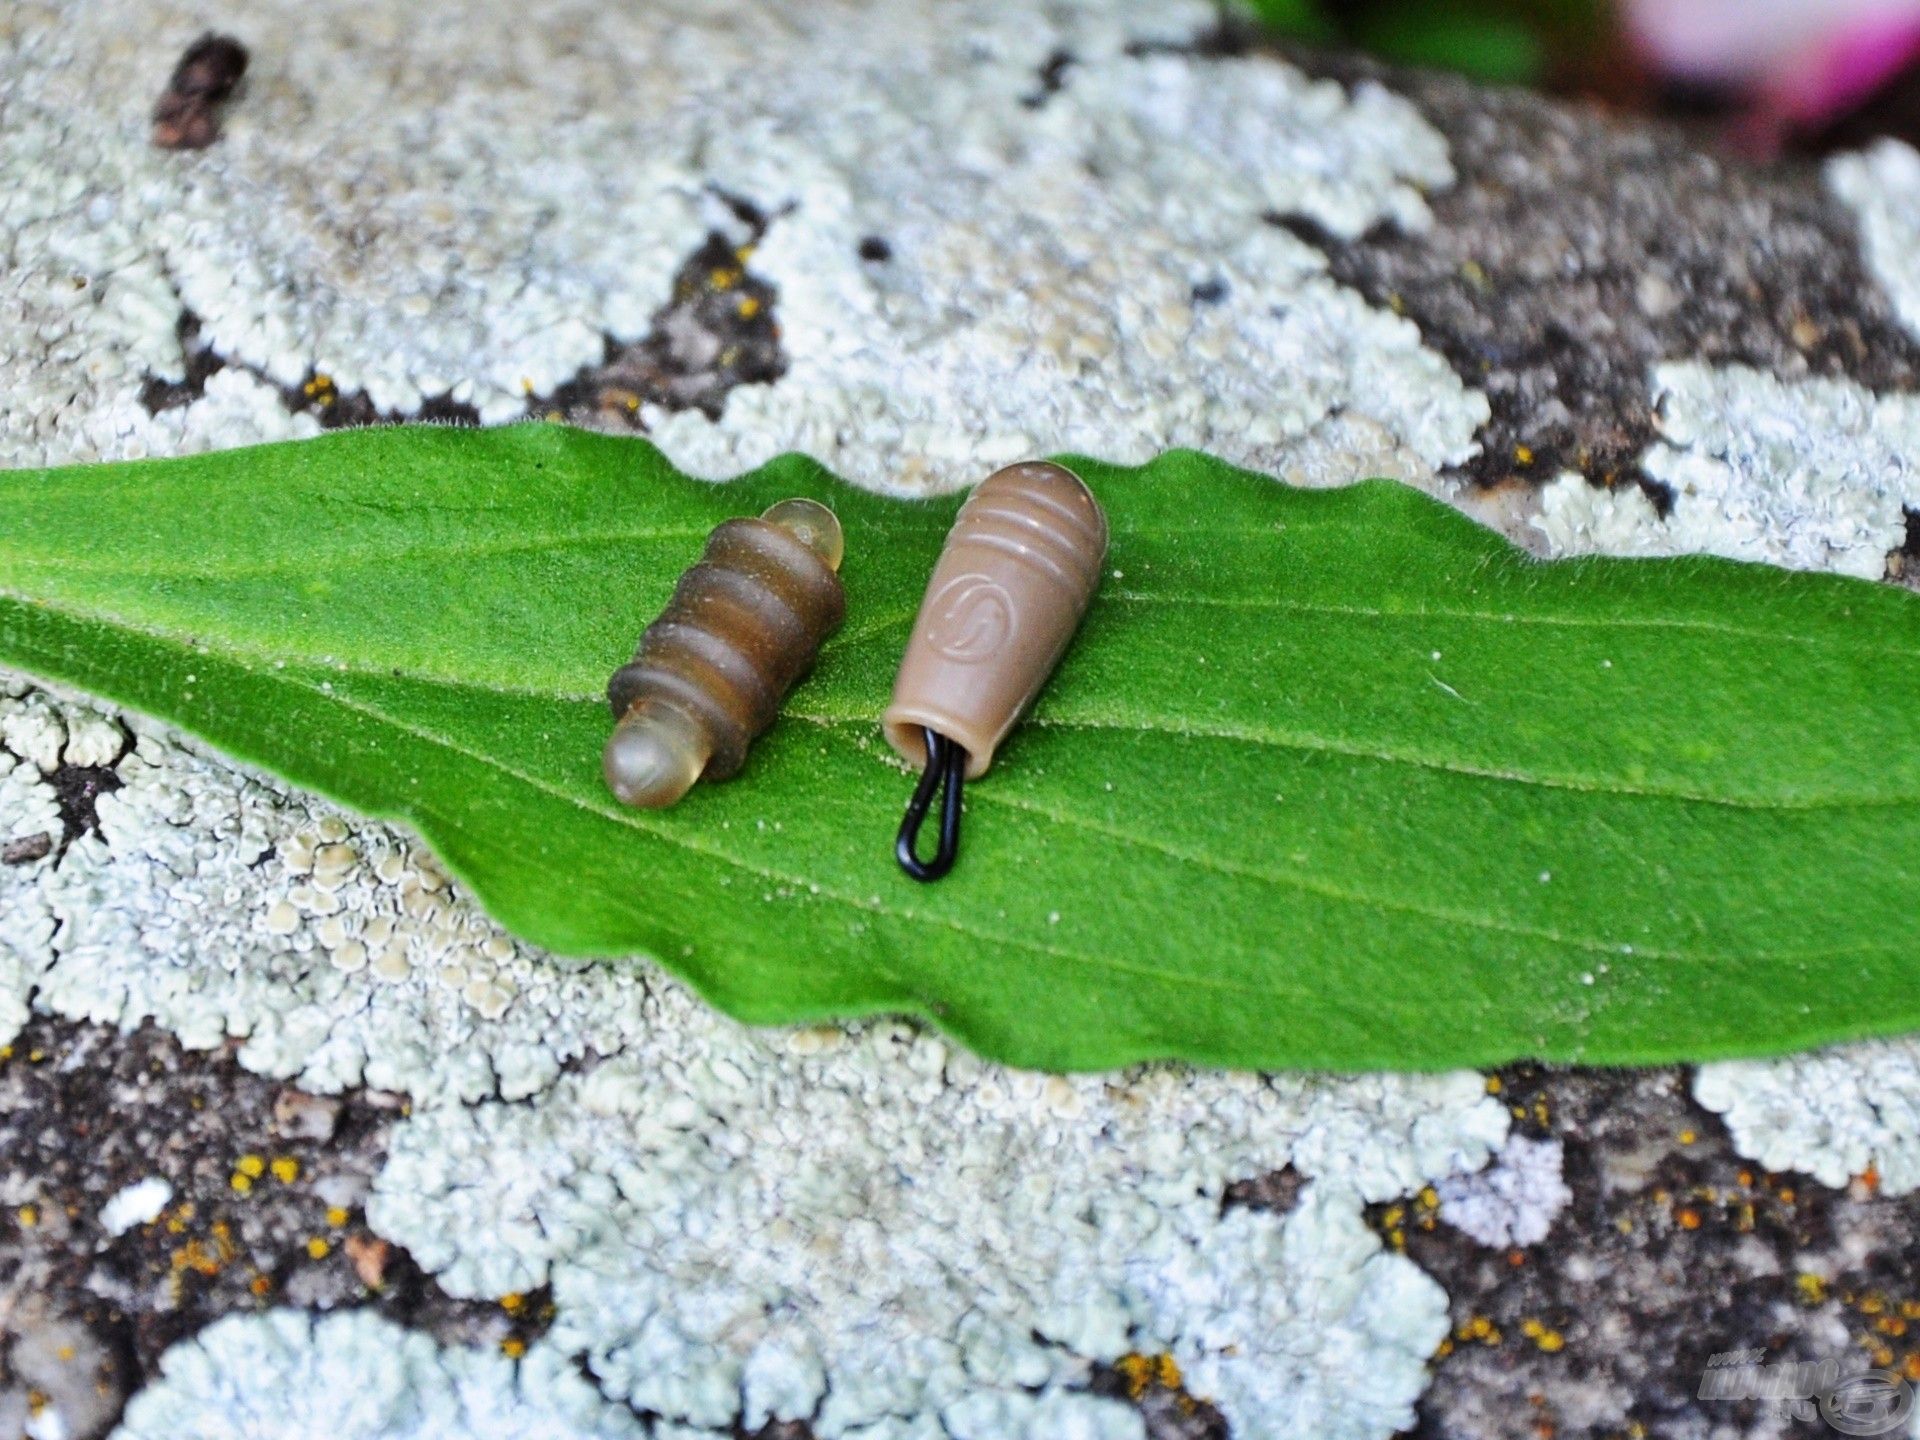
(1673, 1251)
(1578, 249)
(264, 1208)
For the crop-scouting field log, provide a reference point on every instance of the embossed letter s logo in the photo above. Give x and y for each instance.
(972, 619)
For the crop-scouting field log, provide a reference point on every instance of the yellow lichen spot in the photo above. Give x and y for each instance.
(1137, 1371)
(251, 1166)
(1493, 1085)
(1882, 1357)
(1689, 1218)
(748, 307)
(1811, 1288)
(1395, 1214)
(1687, 1137)
(1910, 1367)
(513, 1302)
(1746, 1177)
(1523, 454)
(34, 1057)
(723, 279)
(1910, 1309)
(336, 1217)
(318, 1248)
(195, 1257)
(6, 1052)
(1544, 1336)
(1429, 1197)
(1624, 1225)
(743, 253)
(65, 1353)
(241, 1183)
(1474, 273)
(29, 1215)
(261, 1284)
(526, 384)
(513, 1347)
(1482, 1329)
(286, 1169)
(1443, 1349)
(1891, 1325)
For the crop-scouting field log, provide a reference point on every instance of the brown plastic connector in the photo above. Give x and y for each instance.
(1019, 568)
(1020, 564)
(743, 626)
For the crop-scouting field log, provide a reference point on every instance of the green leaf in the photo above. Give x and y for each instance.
(1473, 39)
(1303, 18)
(1331, 778)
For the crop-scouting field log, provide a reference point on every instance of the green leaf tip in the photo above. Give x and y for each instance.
(1330, 779)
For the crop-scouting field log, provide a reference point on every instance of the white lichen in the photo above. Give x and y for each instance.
(1810, 474)
(288, 1375)
(137, 1204)
(434, 224)
(1577, 517)
(876, 1225)
(1832, 1114)
(1054, 1415)
(219, 903)
(1882, 186)
(1514, 1200)
(30, 820)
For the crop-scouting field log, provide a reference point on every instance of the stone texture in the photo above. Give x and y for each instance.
(913, 239)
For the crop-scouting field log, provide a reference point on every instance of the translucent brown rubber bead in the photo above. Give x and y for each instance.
(743, 626)
(1020, 564)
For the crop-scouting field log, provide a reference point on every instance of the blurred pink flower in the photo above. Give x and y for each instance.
(1797, 63)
